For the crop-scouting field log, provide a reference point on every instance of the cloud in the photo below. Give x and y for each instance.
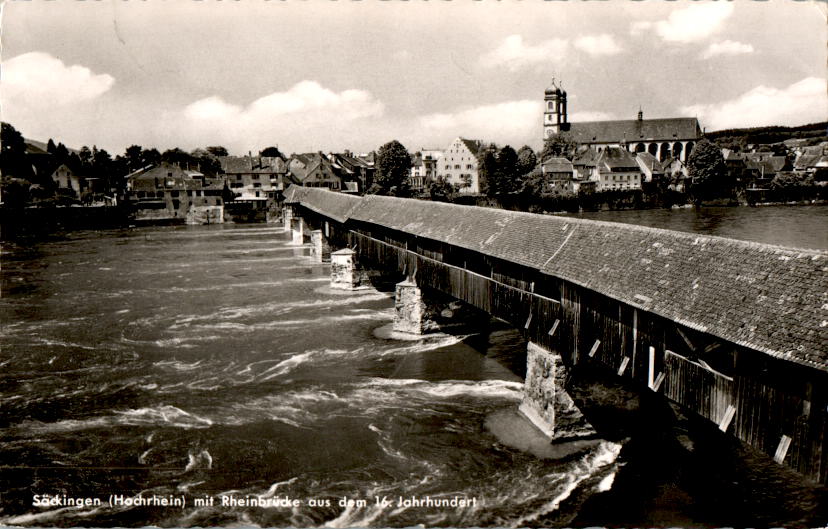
(305, 109)
(800, 103)
(37, 80)
(598, 44)
(513, 122)
(690, 24)
(514, 54)
(727, 47)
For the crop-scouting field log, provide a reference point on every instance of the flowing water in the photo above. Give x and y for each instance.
(215, 364)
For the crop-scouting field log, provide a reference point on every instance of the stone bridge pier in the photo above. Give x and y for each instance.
(545, 400)
(346, 274)
(287, 217)
(298, 229)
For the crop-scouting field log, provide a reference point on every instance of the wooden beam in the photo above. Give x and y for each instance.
(623, 365)
(782, 449)
(554, 328)
(659, 380)
(729, 413)
(686, 339)
(594, 348)
(528, 321)
(651, 369)
(634, 339)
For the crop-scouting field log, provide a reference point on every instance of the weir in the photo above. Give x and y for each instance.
(731, 331)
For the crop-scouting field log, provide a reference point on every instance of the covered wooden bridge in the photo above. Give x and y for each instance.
(736, 332)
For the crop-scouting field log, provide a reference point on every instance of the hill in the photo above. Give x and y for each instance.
(813, 132)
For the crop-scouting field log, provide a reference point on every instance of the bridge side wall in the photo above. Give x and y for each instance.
(705, 375)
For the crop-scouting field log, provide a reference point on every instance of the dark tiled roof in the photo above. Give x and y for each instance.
(587, 157)
(472, 145)
(807, 161)
(650, 161)
(633, 130)
(618, 158)
(236, 164)
(768, 160)
(337, 206)
(557, 165)
(768, 298)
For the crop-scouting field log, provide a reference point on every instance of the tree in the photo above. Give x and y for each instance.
(85, 158)
(486, 167)
(506, 178)
(51, 147)
(708, 172)
(559, 146)
(13, 158)
(134, 160)
(176, 156)
(11, 140)
(271, 152)
(102, 168)
(393, 164)
(440, 190)
(527, 160)
(150, 157)
(217, 150)
(61, 153)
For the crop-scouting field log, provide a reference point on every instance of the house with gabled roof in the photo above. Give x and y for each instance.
(650, 166)
(165, 192)
(315, 170)
(356, 173)
(617, 169)
(65, 178)
(254, 177)
(458, 165)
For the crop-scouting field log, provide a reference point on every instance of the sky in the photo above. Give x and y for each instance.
(330, 75)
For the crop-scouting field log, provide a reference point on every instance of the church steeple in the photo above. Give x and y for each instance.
(554, 111)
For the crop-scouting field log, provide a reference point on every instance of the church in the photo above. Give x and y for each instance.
(663, 138)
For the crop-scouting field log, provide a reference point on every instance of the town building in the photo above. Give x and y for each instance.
(65, 178)
(357, 173)
(458, 166)
(315, 170)
(662, 138)
(254, 177)
(650, 167)
(424, 168)
(617, 169)
(558, 173)
(166, 192)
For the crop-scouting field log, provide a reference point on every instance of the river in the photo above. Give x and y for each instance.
(210, 362)
(214, 363)
(792, 226)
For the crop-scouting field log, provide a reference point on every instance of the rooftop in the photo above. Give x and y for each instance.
(768, 298)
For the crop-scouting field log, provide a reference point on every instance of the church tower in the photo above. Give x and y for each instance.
(554, 111)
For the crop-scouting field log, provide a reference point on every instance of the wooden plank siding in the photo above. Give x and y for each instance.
(702, 373)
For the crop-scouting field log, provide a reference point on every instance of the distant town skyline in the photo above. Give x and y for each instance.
(331, 76)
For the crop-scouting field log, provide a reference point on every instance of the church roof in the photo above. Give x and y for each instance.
(632, 130)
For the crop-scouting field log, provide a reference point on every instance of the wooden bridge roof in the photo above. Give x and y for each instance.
(768, 298)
